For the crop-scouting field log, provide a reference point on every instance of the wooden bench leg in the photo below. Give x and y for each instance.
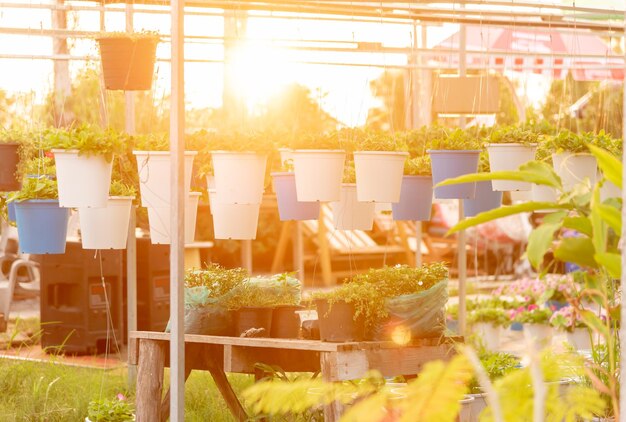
(150, 380)
(233, 403)
(333, 410)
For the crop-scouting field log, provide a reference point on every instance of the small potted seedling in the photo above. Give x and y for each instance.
(509, 148)
(571, 158)
(568, 320)
(487, 323)
(416, 193)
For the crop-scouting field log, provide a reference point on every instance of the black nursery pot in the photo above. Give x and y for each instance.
(127, 63)
(286, 322)
(9, 159)
(248, 317)
(337, 323)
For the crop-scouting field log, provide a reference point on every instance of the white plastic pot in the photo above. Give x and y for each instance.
(83, 181)
(579, 338)
(488, 333)
(521, 195)
(286, 154)
(574, 168)
(106, 228)
(541, 334)
(542, 193)
(379, 175)
(478, 405)
(465, 414)
(349, 213)
(609, 190)
(154, 176)
(159, 220)
(318, 174)
(233, 221)
(506, 157)
(239, 176)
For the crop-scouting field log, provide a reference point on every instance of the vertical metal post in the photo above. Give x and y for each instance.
(418, 249)
(298, 259)
(246, 255)
(461, 239)
(622, 329)
(177, 223)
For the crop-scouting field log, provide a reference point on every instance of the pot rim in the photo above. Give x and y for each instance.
(396, 153)
(319, 151)
(282, 173)
(512, 144)
(454, 151)
(160, 153)
(227, 152)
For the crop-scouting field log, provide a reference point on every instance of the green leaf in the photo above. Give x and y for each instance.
(610, 215)
(505, 212)
(532, 172)
(580, 224)
(610, 165)
(600, 228)
(595, 323)
(539, 242)
(612, 262)
(577, 250)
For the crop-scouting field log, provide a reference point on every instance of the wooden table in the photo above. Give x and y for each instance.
(335, 361)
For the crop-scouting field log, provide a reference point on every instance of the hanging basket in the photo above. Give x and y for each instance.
(233, 221)
(11, 212)
(159, 220)
(154, 176)
(289, 208)
(508, 157)
(239, 176)
(574, 168)
(318, 174)
(349, 213)
(106, 228)
(9, 160)
(128, 63)
(379, 175)
(83, 180)
(448, 164)
(41, 226)
(485, 199)
(416, 199)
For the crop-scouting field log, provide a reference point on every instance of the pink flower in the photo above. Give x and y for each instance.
(121, 397)
(532, 307)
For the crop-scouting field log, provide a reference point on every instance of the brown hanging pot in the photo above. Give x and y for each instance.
(128, 62)
(9, 160)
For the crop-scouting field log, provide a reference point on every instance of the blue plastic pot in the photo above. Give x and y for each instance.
(11, 211)
(416, 199)
(41, 226)
(289, 208)
(448, 164)
(485, 199)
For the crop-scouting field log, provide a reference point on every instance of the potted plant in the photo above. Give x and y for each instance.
(416, 192)
(119, 409)
(535, 321)
(233, 221)
(153, 166)
(571, 158)
(486, 323)
(510, 147)
(568, 320)
(485, 197)
(379, 163)
(289, 208)
(13, 150)
(159, 220)
(318, 166)
(452, 156)
(41, 222)
(107, 228)
(286, 320)
(128, 59)
(83, 157)
(349, 213)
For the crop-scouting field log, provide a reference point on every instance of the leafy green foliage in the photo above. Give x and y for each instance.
(151, 142)
(457, 140)
(567, 141)
(514, 135)
(349, 173)
(106, 410)
(87, 140)
(532, 314)
(131, 35)
(418, 166)
(265, 292)
(217, 279)
(36, 188)
(380, 141)
(121, 189)
(495, 316)
(496, 365)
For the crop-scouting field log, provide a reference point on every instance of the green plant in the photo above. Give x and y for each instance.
(111, 410)
(317, 141)
(459, 139)
(349, 173)
(139, 35)
(496, 366)
(151, 142)
(483, 162)
(566, 319)
(36, 188)
(495, 316)
(87, 140)
(418, 166)
(119, 188)
(514, 135)
(43, 166)
(381, 141)
(218, 280)
(266, 292)
(531, 314)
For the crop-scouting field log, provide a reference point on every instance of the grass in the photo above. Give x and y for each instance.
(33, 391)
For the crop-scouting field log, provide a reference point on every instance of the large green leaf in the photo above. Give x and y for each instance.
(577, 250)
(505, 212)
(595, 323)
(612, 262)
(539, 242)
(611, 216)
(580, 224)
(532, 172)
(610, 165)
(600, 228)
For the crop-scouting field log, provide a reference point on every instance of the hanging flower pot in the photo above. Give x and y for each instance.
(11, 212)
(154, 176)
(349, 213)
(239, 176)
(289, 208)
(416, 199)
(9, 159)
(337, 322)
(448, 164)
(159, 220)
(233, 221)
(318, 174)
(485, 199)
(379, 175)
(83, 180)
(128, 61)
(508, 157)
(106, 228)
(574, 168)
(41, 226)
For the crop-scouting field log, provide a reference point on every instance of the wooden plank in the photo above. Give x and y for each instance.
(150, 380)
(133, 351)
(242, 359)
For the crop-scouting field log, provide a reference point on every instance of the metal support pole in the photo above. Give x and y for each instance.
(177, 223)
(461, 239)
(246, 255)
(418, 249)
(298, 249)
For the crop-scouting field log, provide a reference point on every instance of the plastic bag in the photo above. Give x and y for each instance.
(205, 315)
(415, 315)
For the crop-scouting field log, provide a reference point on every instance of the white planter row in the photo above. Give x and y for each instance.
(541, 334)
